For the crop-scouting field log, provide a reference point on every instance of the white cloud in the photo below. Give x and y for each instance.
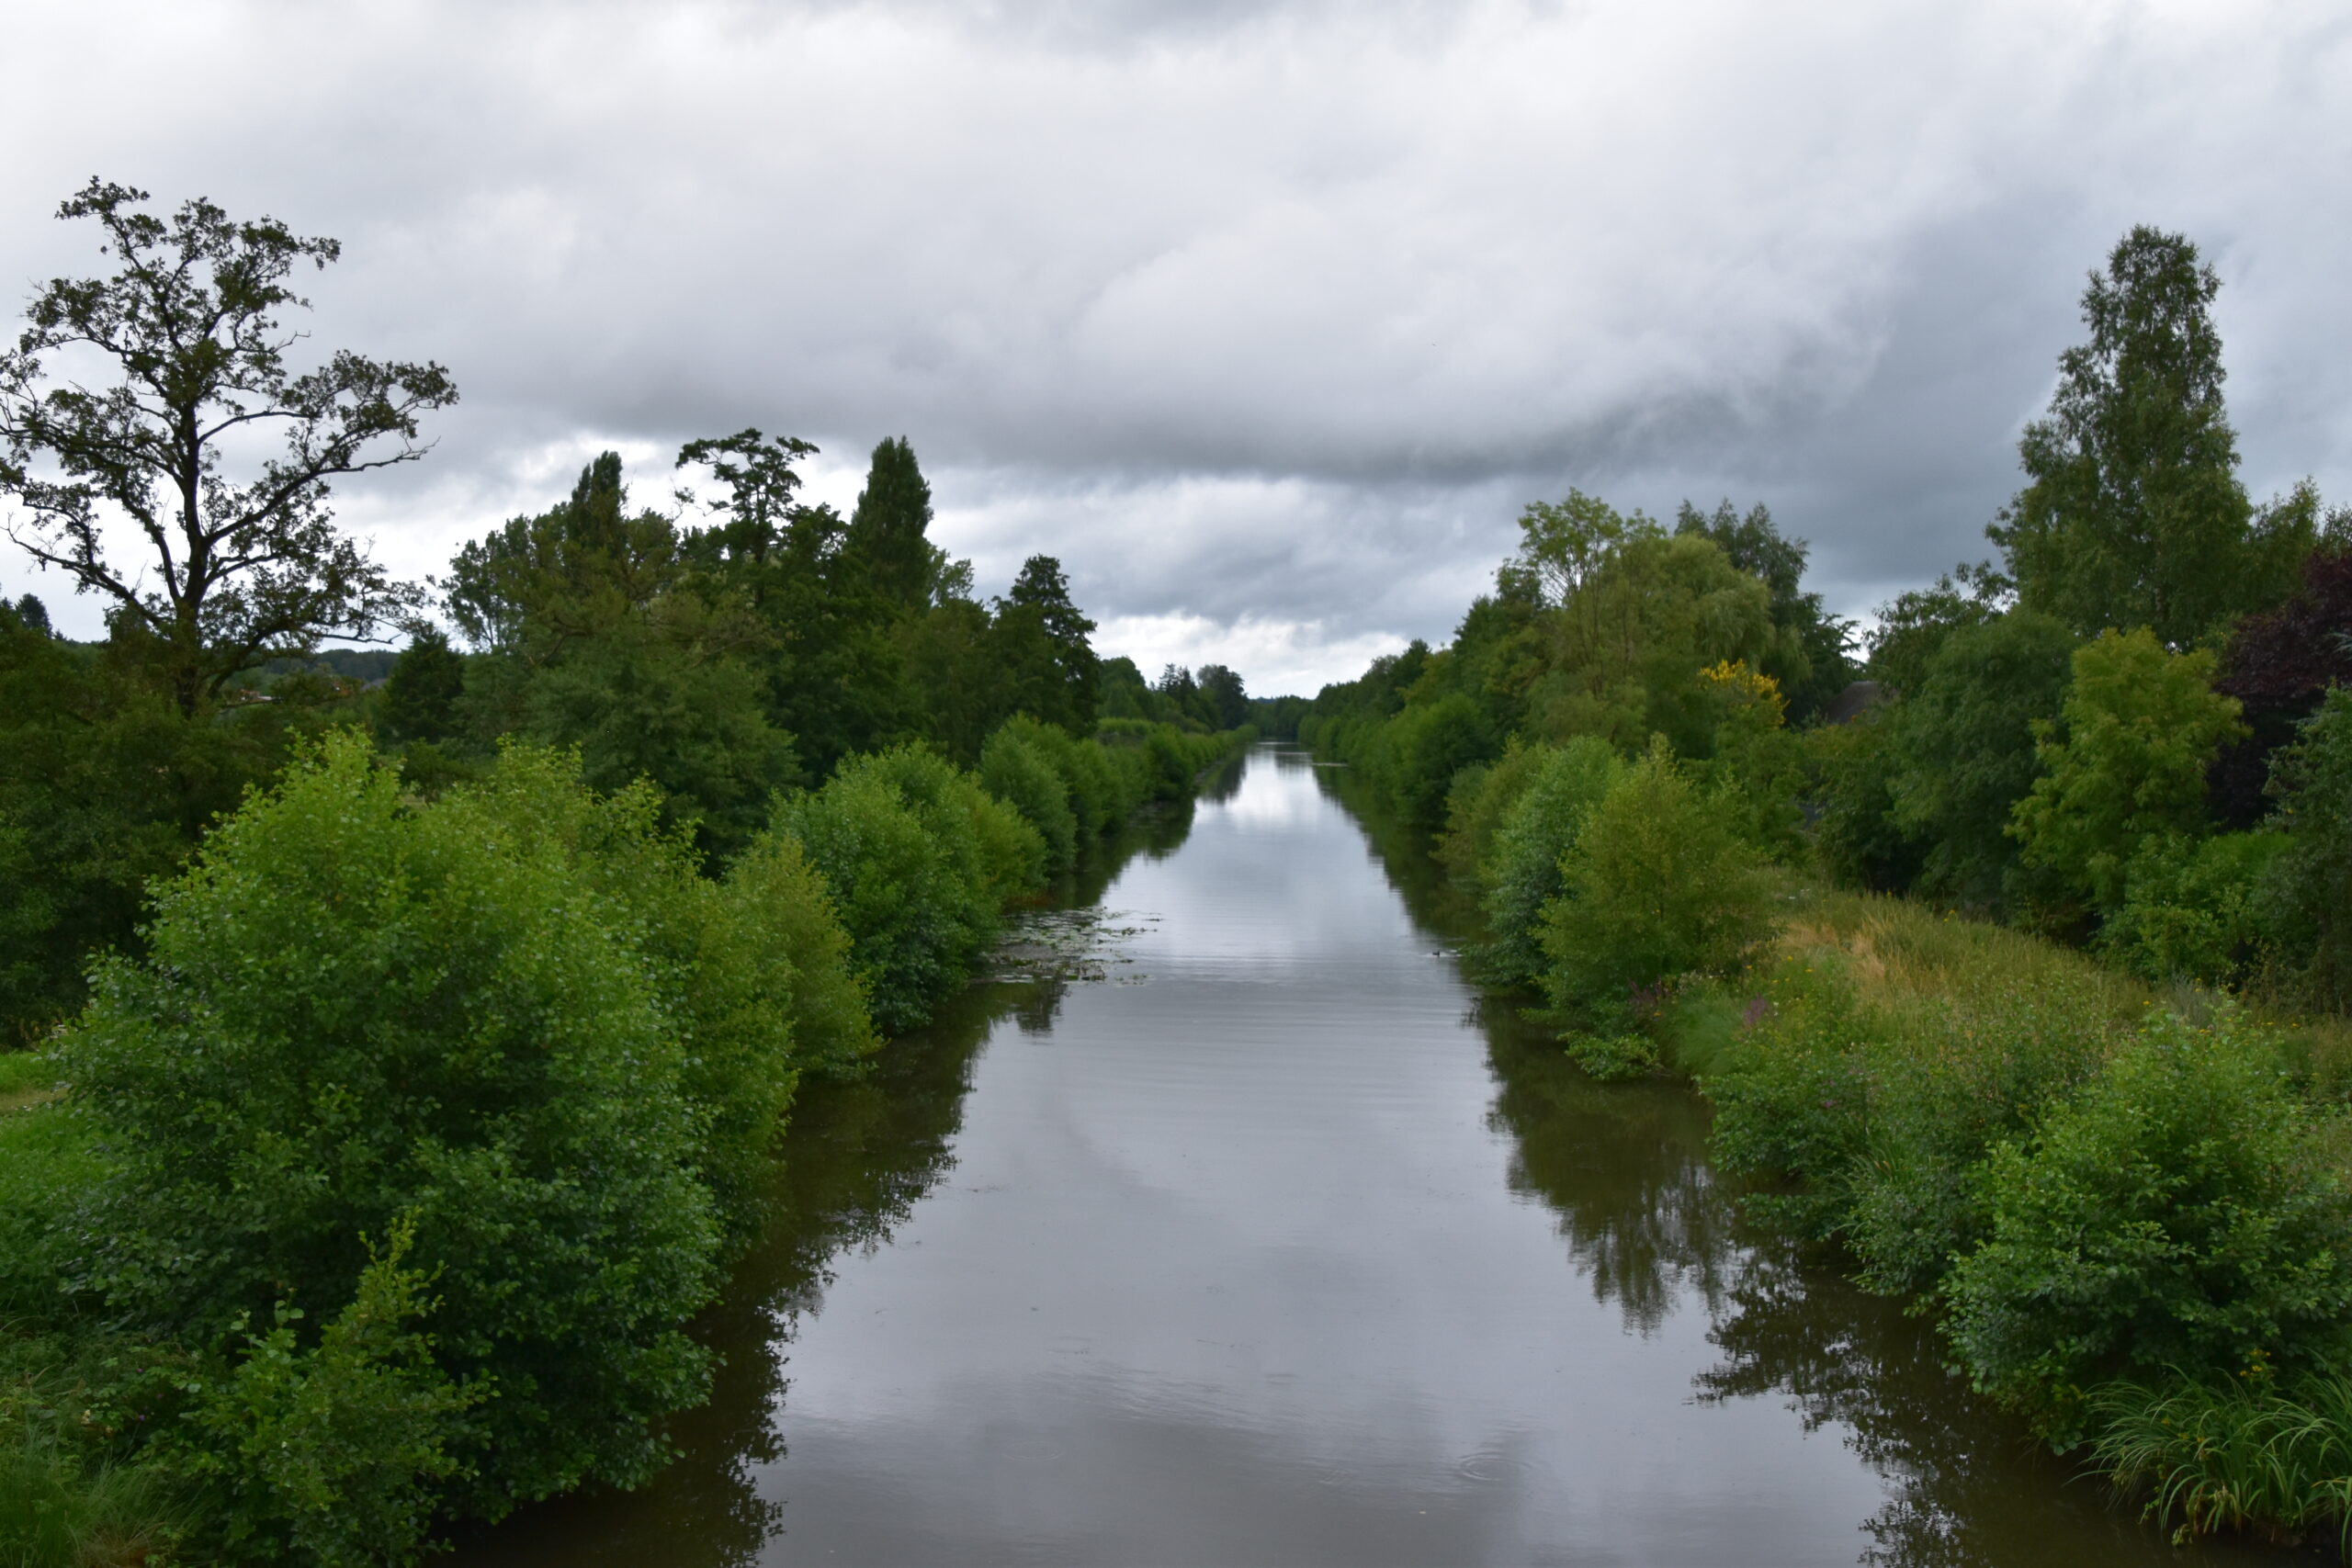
(1267, 314)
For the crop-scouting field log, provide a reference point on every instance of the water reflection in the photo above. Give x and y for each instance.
(1274, 1245)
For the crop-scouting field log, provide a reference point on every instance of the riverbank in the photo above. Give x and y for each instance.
(439, 1041)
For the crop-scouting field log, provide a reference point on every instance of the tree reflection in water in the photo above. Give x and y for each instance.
(1652, 1227)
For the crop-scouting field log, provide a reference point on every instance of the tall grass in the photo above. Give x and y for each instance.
(2233, 1453)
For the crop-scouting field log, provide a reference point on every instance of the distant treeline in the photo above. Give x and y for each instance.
(413, 1038)
(2107, 1144)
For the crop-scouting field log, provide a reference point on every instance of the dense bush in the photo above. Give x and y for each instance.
(920, 859)
(1429, 744)
(359, 1015)
(2196, 910)
(1655, 886)
(2178, 1212)
(2309, 898)
(752, 968)
(1021, 771)
(1482, 797)
(1521, 870)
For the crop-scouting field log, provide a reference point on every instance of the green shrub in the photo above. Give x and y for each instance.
(1656, 885)
(358, 1010)
(1521, 868)
(330, 1454)
(919, 860)
(1854, 767)
(1427, 744)
(2309, 898)
(1879, 1063)
(2194, 911)
(1482, 797)
(2178, 1212)
(1020, 772)
(1612, 1059)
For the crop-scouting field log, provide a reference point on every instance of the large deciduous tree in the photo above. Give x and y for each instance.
(192, 379)
(2134, 515)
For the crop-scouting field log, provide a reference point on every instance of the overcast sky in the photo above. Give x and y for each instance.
(1265, 317)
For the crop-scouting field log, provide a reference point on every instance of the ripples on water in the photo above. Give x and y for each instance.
(1233, 1228)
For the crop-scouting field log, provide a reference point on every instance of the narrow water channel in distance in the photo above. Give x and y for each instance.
(1259, 1243)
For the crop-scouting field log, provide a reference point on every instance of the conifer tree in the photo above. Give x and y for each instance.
(888, 532)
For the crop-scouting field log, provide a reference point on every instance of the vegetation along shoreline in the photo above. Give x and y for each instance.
(2012, 956)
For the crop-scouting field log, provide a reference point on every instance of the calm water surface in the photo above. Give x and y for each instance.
(1256, 1243)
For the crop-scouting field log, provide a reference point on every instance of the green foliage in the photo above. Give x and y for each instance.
(2225, 1453)
(104, 784)
(889, 537)
(1877, 1062)
(1628, 644)
(1017, 770)
(1756, 766)
(1810, 662)
(1612, 1057)
(2310, 899)
(1522, 873)
(355, 1011)
(920, 859)
(2195, 911)
(421, 694)
(2142, 725)
(1481, 799)
(1854, 767)
(1428, 745)
(2178, 1212)
(1045, 663)
(328, 1454)
(238, 571)
(752, 968)
(1963, 746)
(1656, 885)
(2135, 515)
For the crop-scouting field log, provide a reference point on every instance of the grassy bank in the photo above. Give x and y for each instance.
(2126, 1209)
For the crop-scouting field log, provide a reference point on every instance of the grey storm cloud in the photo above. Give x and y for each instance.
(1266, 319)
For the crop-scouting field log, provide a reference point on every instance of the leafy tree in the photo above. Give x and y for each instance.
(1521, 871)
(2278, 664)
(1811, 662)
(1041, 638)
(1628, 645)
(1963, 751)
(1562, 543)
(2141, 726)
(1913, 625)
(759, 508)
(2312, 889)
(104, 784)
(421, 694)
(1221, 692)
(237, 572)
(1855, 830)
(361, 1014)
(2134, 515)
(575, 571)
(1656, 885)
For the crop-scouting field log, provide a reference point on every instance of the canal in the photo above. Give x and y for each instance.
(1239, 1230)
